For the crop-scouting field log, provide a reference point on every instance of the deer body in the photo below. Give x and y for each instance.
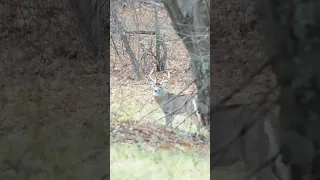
(179, 104)
(173, 104)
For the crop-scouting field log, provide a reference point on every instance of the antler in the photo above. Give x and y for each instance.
(168, 76)
(154, 80)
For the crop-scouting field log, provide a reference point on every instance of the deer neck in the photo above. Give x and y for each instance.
(162, 98)
(157, 99)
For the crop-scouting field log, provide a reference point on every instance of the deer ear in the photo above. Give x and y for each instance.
(165, 84)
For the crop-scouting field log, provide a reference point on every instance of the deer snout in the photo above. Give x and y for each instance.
(155, 92)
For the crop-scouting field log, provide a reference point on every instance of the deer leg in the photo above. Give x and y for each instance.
(168, 120)
(198, 126)
(194, 120)
(198, 122)
(196, 117)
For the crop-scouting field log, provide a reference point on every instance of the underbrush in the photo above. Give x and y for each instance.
(129, 162)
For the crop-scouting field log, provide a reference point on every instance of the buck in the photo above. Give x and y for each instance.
(254, 147)
(173, 104)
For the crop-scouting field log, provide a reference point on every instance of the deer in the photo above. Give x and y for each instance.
(254, 147)
(173, 104)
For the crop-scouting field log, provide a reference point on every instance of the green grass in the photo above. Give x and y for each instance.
(128, 162)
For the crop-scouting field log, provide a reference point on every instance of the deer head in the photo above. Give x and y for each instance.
(158, 87)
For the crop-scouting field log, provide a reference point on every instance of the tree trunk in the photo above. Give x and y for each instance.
(193, 26)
